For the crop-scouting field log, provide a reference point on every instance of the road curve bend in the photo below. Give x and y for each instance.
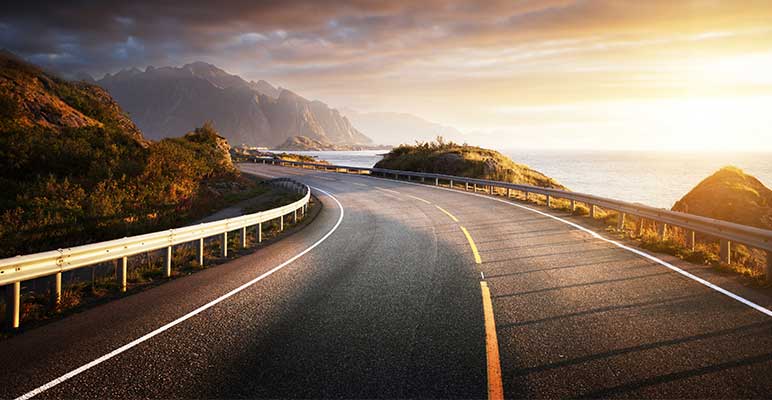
(402, 290)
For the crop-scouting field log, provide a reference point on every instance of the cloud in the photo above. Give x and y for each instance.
(330, 32)
(450, 60)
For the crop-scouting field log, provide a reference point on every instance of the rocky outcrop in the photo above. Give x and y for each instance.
(730, 195)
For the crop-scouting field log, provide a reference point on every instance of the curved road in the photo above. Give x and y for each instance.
(389, 303)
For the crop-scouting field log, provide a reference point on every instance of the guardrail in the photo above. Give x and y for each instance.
(727, 232)
(14, 270)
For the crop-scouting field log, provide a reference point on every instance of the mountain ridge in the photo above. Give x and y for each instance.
(167, 100)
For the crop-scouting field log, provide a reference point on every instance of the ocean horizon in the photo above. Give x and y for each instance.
(653, 178)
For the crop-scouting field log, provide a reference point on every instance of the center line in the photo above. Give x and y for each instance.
(387, 190)
(495, 388)
(448, 214)
(418, 198)
(472, 245)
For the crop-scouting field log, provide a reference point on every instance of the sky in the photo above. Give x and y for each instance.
(560, 74)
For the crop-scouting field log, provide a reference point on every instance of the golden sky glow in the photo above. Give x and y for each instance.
(654, 74)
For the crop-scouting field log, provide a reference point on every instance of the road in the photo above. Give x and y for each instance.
(389, 302)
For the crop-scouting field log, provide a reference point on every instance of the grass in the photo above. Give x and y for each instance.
(147, 270)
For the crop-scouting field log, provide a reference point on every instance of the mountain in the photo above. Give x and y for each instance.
(398, 128)
(463, 160)
(167, 101)
(75, 169)
(730, 195)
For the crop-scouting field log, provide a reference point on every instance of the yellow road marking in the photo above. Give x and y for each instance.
(495, 388)
(418, 198)
(448, 214)
(387, 190)
(472, 245)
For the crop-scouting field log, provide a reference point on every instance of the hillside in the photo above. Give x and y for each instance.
(75, 169)
(398, 128)
(730, 195)
(463, 160)
(304, 143)
(167, 101)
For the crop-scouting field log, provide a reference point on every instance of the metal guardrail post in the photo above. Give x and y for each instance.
(168, 262)
(260, 232)
(726, 251)
(509, 192)
(620, 221)
(56, 290)
(549, 201)
(244, 237)
(436, 181)
(690, 240)
(225, 244)
(592, 210)
(573, 205)
(281, 223)
(122, 273)
(12, 305)
(295, 216)
(200, 252)
(662, 231)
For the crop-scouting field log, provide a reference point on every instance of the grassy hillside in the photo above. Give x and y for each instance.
(463, 160)
(730, 195)
(75, 169)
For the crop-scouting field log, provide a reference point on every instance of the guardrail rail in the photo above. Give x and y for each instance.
(726, 232)
(21, 268)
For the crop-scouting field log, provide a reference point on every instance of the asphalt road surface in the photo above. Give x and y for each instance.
(389, 302)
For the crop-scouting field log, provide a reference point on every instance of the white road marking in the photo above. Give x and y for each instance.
(179, 320)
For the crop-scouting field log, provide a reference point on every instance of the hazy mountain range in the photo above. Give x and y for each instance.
(398, 128)
(170, 101)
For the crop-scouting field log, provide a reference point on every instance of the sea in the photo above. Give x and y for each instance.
(653, 178)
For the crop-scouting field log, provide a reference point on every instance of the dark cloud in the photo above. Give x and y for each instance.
(304, 36)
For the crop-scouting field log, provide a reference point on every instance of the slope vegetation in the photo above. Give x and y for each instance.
(75, 169)
(463, 160)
